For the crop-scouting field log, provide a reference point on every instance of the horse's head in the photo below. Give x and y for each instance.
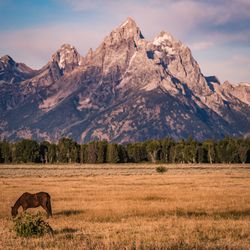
(14, 212)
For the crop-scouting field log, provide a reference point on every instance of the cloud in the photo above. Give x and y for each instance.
(242, 59)
(201, 45)
(35, 46)
(82, 5)
(180, 17)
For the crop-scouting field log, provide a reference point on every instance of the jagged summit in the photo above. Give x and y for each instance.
(116, 51)
(6, 59)
(12, 72)
(131, 28)
(128, 22)
(66, 47)
(128, 30)
(62, 62)
(67, 57)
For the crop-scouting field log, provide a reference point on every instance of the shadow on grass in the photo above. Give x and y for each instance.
(69, 212)
(66, 231)
(231, 214)
(190, 214)
(153, 198)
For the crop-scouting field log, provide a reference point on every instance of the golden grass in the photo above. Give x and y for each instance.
(132, 207)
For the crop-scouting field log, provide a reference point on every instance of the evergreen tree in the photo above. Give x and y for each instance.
(166, 145)
(6, 152)
(153, 148)
(137, 152)
(201, 154)
(13, 153)
(123, 155)
(190, 151)
(68, 151)
(52, 153)
(92, 152)
(243, 149)
(44, 148)
(112, 153)
(1, 156)
(83, 153)
(227, 151)
(210, 147)
(102, 151)
(179, 154)
(27, 151)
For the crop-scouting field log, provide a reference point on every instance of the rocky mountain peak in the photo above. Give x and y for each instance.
(12, 72)
(7, 60)
(127, 31)
(67, 57)
(129, 22)
(62, 62)
(115, 52)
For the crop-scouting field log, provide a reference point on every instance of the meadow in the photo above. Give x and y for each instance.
(131, 206)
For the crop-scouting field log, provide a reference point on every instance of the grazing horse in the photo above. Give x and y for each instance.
(27, 200)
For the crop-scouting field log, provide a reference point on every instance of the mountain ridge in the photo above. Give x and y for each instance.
(128, 89)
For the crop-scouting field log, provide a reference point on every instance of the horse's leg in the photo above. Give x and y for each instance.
(46, 209)
(48, 205)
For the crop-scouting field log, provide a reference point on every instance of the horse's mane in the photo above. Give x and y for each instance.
(18, 201)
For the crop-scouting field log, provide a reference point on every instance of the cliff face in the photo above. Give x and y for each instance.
(128, 89)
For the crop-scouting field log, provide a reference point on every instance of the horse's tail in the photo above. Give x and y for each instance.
(48, 204)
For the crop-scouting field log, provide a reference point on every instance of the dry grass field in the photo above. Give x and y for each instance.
(131, 206)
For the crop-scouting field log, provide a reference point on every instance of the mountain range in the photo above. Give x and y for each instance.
(128, 89)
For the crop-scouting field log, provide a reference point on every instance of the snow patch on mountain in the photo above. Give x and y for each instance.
(163, 38)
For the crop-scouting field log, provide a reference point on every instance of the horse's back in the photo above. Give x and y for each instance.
(43, 193)
(26, 194)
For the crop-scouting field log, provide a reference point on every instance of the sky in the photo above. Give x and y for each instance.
(217, 31)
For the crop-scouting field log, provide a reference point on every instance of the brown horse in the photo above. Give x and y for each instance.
(27, 200)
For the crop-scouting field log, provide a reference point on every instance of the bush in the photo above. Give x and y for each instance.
(31, 225)
(161, 169)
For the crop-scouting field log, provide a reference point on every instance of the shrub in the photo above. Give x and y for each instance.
(161, 169)
(31, 225)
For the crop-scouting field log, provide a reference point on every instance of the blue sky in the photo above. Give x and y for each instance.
(217, 31)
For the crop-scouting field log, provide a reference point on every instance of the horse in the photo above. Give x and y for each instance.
(27, 200)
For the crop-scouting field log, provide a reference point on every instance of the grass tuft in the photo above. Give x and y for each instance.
(161, 169)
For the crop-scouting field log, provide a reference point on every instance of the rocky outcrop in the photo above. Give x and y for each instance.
(128, 89)
(12, 72)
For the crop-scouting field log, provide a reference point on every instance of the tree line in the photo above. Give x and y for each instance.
(227, 150)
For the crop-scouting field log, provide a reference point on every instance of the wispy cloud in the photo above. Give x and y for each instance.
(201, 45)
(34, 46)
(181, 16)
